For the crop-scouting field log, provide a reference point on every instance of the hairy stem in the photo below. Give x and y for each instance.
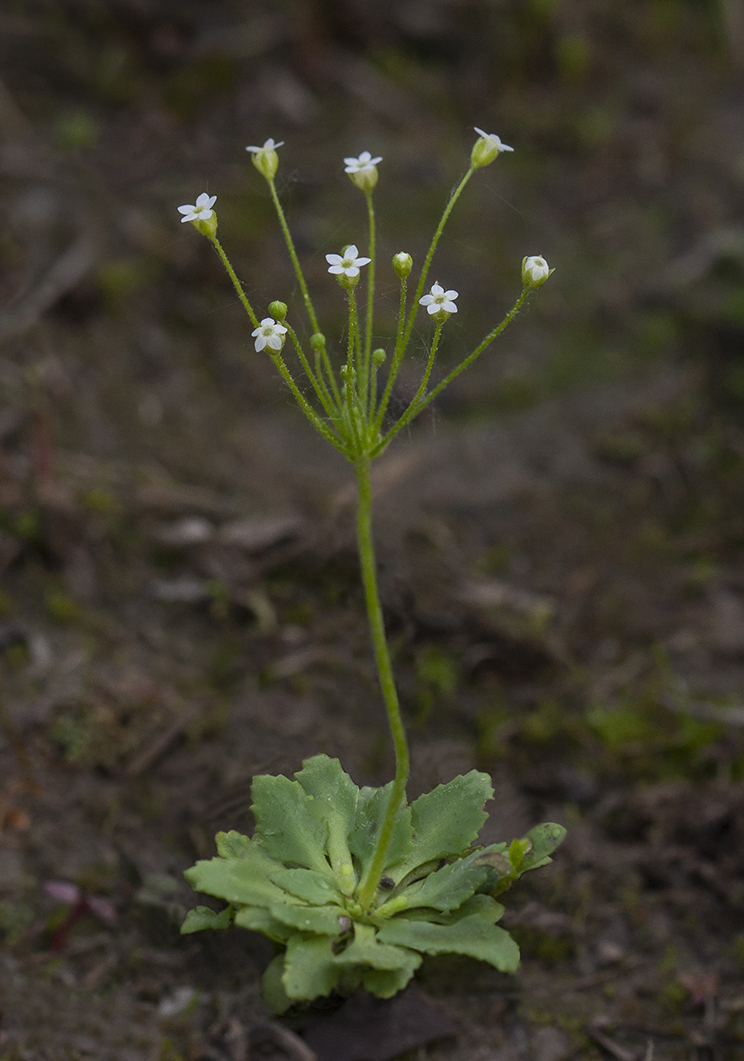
(365, 543)
(236, 283)
(370, 302)
(423, 402)
(293, 255)
(397, 357)
(430, 253)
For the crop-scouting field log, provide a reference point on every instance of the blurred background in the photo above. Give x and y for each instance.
(560, 536)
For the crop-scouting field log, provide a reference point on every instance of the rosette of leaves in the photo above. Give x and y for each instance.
(296, 880)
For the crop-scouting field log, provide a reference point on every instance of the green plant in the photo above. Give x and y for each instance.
(356, 884)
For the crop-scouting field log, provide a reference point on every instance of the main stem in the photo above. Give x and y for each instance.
(370, 881)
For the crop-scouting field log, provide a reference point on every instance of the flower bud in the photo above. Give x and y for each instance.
(318, 341)
(535, 271)
(278, 310)
(265, 158)
(402, 263)
(378, 357)
(486, 149)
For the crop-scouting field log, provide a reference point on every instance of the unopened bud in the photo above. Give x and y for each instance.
(378, 357)
(318, 341)
(278, 310)
(402, 263)
(535, 271)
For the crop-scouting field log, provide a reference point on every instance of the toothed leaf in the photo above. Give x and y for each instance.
(471, 935)
(314, 888)
(309, 967)
(334, 801)
(371, 810)
(286, 824)
(321, 920)
(447, 820)
(232, 844)
(202, 917)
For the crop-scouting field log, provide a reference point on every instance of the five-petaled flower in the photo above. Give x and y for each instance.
(363, 170)
(346, 264)
(265, 158)
(270, 334)
(201, 210)
(439, 301)
(487, 147)
(363, 164)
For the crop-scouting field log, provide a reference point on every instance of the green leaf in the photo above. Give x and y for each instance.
(545, 839)
(365, 949)
(471, 935)
(258, 920)
(321, 920)
(232, 844)
(385, 982)
(202, 917)
(314, 888)
(334, 801)
(447, 819)
(288, 828)
(309, 967)
(480, 905)
(272, 987)
(239, 880)
(448, 888)
(371, 809)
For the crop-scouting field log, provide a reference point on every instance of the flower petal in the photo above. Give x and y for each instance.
(334, 259)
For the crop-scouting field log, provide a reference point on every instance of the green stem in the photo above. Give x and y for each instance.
(430, 253)
(236, 283)
(371, 879)
(319, 384)
(370, 301)
(397, 357)
(303, 403)
(412, 409)
(384, 442)
(293, 255)
(328, 367)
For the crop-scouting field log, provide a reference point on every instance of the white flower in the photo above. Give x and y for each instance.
(493, 140)
(363, 171)
(265, 158)
(439, 301)
(486, 149)
(270, 334)
(363, 164)
(535, 271)
(201, 210)
(347, 264)
(268, 145)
